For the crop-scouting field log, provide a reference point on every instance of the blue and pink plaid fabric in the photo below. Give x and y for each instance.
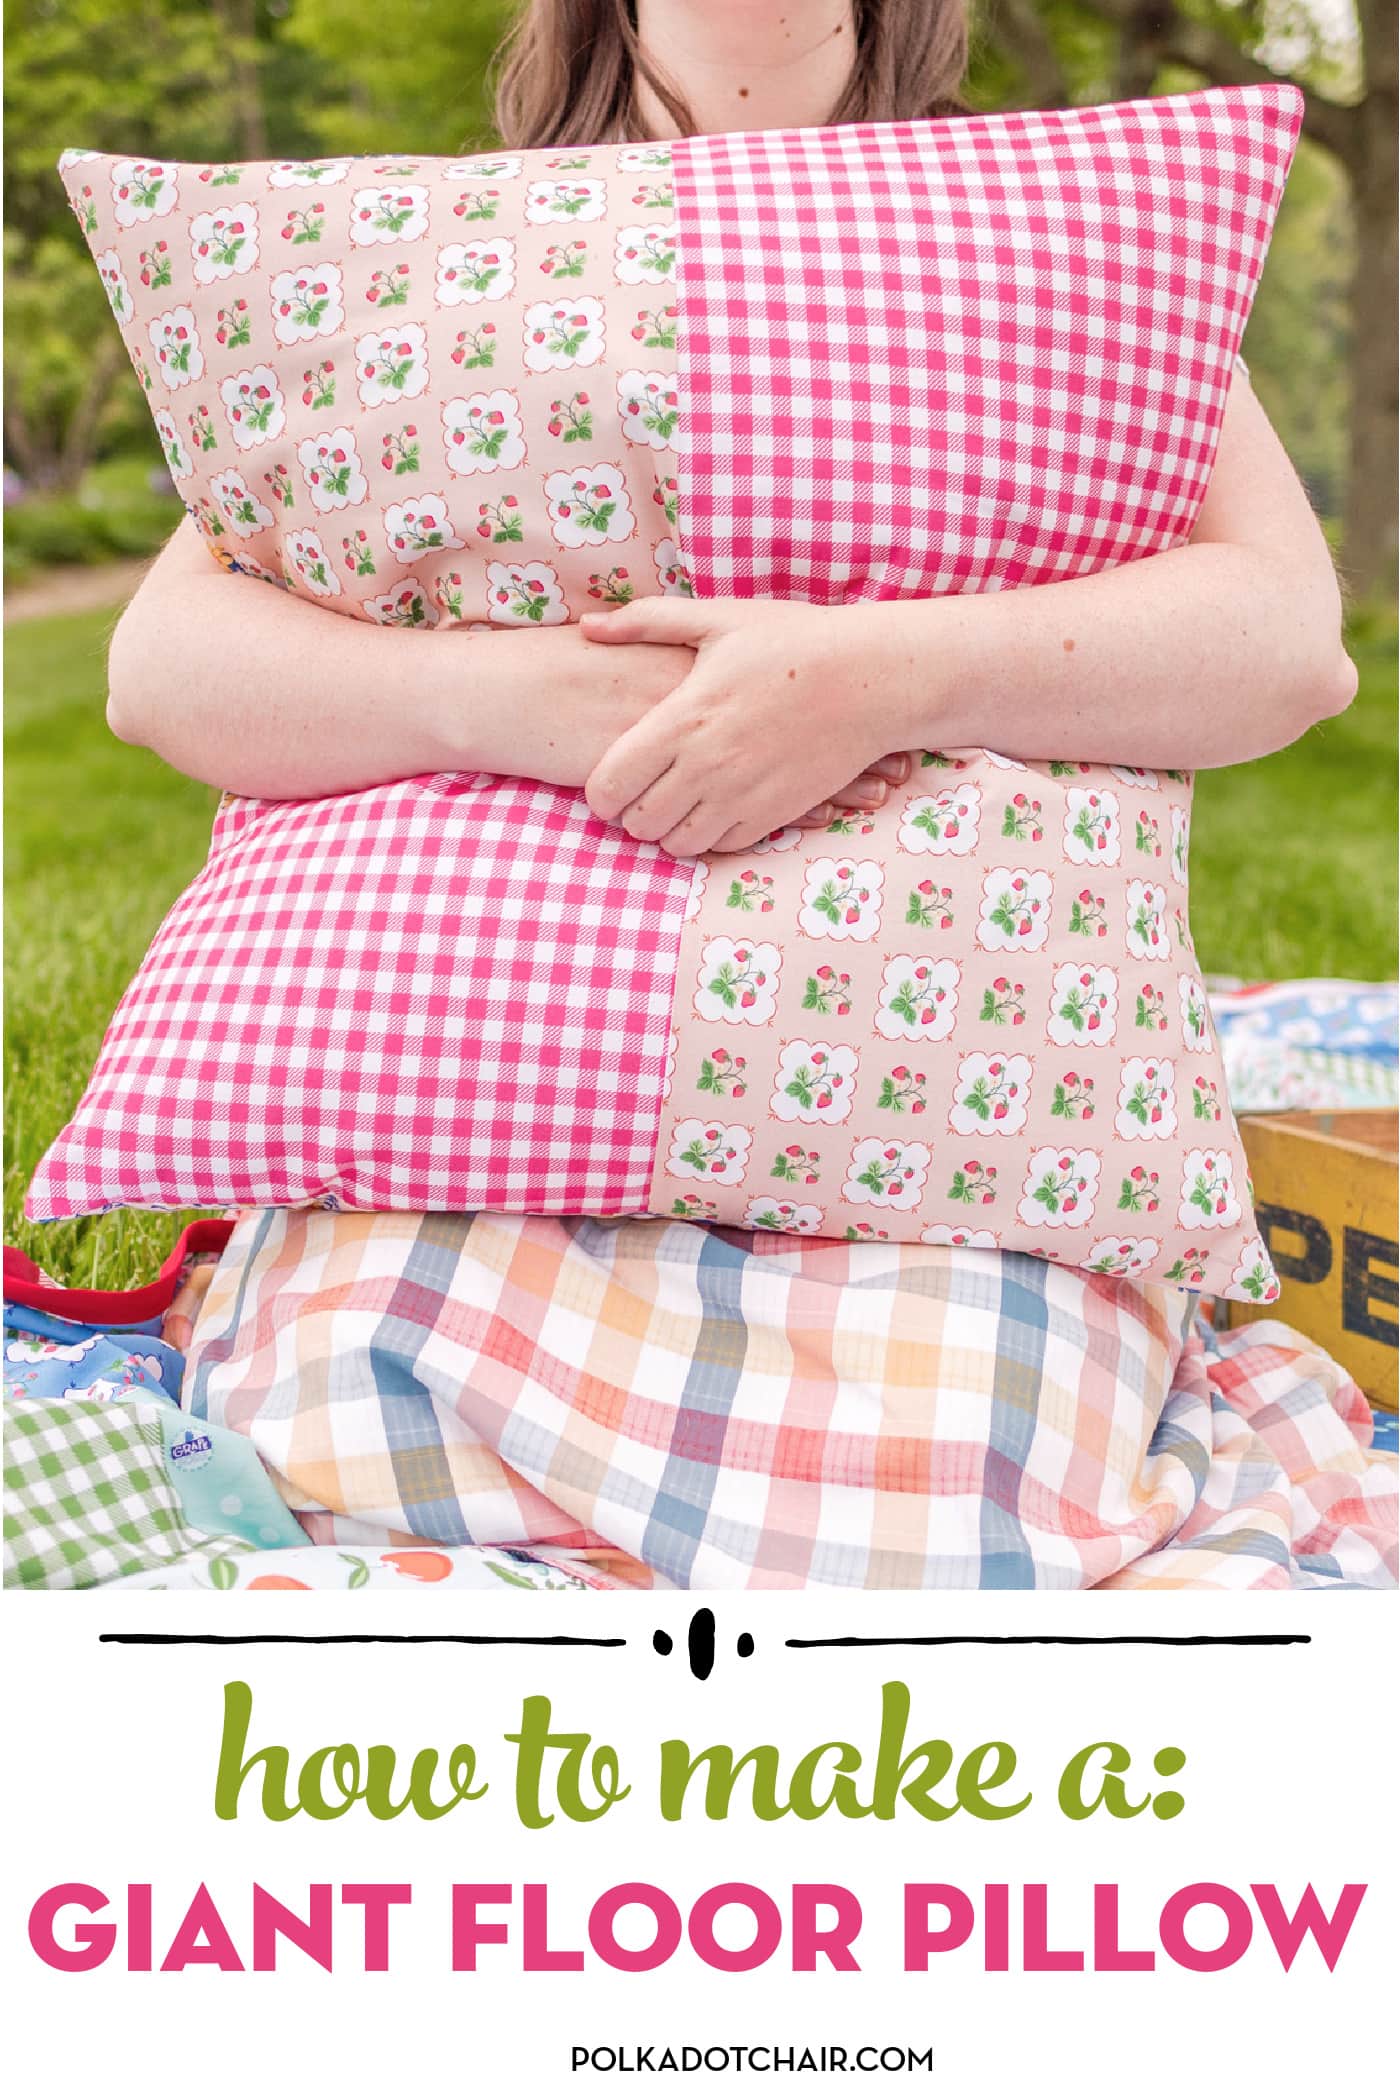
(710, 1409)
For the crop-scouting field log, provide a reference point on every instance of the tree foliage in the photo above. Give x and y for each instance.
(198, 79)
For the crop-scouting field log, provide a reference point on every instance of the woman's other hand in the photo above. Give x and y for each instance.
(779, 722)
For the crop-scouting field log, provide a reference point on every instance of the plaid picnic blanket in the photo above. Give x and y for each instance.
(728, 1409)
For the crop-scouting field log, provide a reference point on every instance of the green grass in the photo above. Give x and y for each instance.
(1293, 875)
(114, 512)
(99, 840)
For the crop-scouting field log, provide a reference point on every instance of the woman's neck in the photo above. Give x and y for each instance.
(742, 66)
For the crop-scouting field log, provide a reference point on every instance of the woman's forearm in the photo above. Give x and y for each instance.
(259, 692)
(1197, 657)
(1217, 651)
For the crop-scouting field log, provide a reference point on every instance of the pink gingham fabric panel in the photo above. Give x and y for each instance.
(974, 1018)
(448, 993)
(926, 358)
(755, 1411)
(421, 392)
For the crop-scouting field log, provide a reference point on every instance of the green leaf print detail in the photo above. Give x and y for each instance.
(801, 1086)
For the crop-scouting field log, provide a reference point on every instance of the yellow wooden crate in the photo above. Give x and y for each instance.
(1325, 1196)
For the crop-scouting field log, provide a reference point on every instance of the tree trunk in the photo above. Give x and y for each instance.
(1369, 538)
(239, 20)
(76, 455)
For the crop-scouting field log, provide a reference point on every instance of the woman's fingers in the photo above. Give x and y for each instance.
(672, 620)
(868, 792)
(894, 769)
(695, 833)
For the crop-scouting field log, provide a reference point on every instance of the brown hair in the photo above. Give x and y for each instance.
(569, 70)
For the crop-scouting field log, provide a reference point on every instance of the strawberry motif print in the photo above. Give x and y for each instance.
(306, 174)
(918, 999)
(240, 508)
(814, 1083)
(777, 1214)
(406, 606)
(649, 406)
(1060, 1188)
(565, 201)
(1110, 1257)
(143, 190)
(1015, 914)
(330, 467)
(645, 255)
(671, 571)
(177, 458)
(1254, 1277)
(1093, 837)
(526, 594)
(310, 563)
(887, 1176)
(1148, 937)
(991, 1095)
(590, 507)
(738, 982)
(841, 900)
(381, 217)
(373, 297)
(307, 303)
(109, 269)
(174, 339)
(1147, 1099)
(1195, 1013)
(484, 433)
(472, 272)
(947, 822)
(958, 1236)
(420, 525)
(560, 334)
(713, 1152)
(1083, 1006)
(391, 365)
(485, 167)
(1209, 1201)
(224, 242)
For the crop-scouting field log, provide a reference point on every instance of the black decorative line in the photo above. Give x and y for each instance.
(700, 1643)
(357, 1640)
(1059, 1640)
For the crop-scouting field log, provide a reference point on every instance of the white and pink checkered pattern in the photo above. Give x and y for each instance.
(919, 359)
(447, 994)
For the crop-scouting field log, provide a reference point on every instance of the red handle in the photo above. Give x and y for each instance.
(113, 1308)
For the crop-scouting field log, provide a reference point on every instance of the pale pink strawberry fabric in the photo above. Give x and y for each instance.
(975, 1019)
(869, 361)
(420, 392)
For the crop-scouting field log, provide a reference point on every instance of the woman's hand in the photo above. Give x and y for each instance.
(781, 709)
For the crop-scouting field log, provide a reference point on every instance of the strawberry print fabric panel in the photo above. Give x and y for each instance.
(973, 1019)
(420, 392)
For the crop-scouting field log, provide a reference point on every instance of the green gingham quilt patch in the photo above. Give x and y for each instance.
(105, 1476)
(87, 1495)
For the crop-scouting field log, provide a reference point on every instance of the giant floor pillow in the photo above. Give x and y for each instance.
(861, 362)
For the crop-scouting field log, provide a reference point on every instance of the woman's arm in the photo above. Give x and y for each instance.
(254, 690)
(1212, 653)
